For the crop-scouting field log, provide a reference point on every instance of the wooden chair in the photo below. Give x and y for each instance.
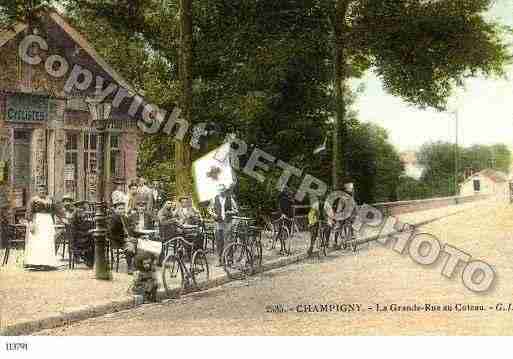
(68, 240)
(15, 239)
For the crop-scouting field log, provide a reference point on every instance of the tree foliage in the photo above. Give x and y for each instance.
(275, 73)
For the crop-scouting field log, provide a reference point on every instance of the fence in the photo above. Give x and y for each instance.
(400, 207)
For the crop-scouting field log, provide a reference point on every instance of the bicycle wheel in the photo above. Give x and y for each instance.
(238, 262)
(269, 236)
(200, 270)
(322, 243)
(172, 273)
(288, 240)
(256, 249)
(295, 228)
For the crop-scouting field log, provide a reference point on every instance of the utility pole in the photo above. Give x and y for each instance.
(456, 155)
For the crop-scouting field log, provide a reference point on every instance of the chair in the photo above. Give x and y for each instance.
(61, 240)
(14, 240)
(67, 238)
(119, 253)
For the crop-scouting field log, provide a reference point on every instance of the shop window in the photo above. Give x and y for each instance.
(116, 159)
(71, 164)
(91, 152)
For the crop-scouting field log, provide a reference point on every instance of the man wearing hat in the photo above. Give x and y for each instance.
(68, 208)
(222, 208)
(119, 195)
(83, 242)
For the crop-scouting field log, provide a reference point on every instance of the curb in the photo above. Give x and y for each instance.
(93, 311)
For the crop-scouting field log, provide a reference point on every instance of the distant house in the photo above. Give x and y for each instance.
(411, 167)
(487, 181)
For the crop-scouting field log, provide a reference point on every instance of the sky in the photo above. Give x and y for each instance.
(484, 107)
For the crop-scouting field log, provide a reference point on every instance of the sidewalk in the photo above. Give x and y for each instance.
(31, 301)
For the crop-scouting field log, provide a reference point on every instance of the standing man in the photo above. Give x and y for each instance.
(222, 208)
(132, 197)
(158, 195)
(146, 204)
(285, 202)
(145, 195)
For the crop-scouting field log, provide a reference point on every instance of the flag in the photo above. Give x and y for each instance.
(212, 170)
(321, 148)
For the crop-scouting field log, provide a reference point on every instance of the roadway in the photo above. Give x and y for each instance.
(350, 286)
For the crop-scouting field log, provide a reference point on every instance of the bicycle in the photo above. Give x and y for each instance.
(343, 231)
(322, 240)
(193, 273)
(276, 231)
(243, 256)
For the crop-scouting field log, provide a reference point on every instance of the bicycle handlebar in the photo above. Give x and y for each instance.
(178, 239)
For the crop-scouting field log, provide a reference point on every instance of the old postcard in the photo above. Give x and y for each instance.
(255, 168)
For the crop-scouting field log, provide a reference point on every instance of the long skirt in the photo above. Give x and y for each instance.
(40, 245)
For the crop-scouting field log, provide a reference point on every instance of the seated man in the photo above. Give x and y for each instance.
(68, 208)
(82, 243)
(123, 234)
(188, 214)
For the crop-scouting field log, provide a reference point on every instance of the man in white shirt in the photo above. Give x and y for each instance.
(119, 195)
(222, 208)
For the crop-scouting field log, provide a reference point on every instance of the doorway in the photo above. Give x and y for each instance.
(21, 177)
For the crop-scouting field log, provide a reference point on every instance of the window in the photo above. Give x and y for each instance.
(90, 152)
(71, 164)
(116, 159)
(477, 185)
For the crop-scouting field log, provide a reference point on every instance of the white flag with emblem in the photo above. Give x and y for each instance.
(212, 170)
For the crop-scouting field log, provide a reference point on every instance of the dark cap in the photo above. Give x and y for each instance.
(81, 202)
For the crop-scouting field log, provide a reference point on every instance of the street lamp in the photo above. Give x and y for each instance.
(100, 114)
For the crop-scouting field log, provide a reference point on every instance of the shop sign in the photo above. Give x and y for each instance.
(27, 108)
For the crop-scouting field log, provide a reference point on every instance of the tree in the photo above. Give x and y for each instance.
(420, 49)
(183, 157)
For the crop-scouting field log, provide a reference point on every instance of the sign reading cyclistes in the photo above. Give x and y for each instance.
(26, 108)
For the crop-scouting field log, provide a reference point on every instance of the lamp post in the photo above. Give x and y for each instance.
(100, 113)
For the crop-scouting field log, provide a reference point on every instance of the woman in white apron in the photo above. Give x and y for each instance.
(40, 242)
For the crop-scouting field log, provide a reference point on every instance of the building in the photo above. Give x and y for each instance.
(46, 135)
(488, 182)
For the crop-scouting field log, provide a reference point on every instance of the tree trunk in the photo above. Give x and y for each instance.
(183, 158)
(339, 166)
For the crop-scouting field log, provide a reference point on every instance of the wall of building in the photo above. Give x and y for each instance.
(48, 138)
(487, 187)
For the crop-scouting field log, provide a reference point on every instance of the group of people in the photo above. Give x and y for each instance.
(132, 213)
(321, 211)
(146, 207)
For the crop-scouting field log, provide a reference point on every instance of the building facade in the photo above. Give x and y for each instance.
(487, 182)
(46, 134)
